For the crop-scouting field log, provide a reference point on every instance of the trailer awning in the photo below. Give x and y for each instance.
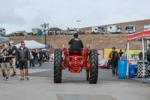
(139, 35)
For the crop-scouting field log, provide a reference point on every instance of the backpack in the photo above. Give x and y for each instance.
(115, 55)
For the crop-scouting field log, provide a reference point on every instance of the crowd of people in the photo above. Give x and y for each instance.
(12, 57)
(115, 56)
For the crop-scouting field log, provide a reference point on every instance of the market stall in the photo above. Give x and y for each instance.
(142, 66)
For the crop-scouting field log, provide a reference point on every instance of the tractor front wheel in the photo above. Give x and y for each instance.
(57, 66)
(93, 73)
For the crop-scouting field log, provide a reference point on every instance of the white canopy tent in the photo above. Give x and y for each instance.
(32, 44)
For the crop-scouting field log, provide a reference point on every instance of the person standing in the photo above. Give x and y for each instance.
(22, 57)
(40, 58)
(148, 54)
(13, 60)
(6, 58)
(124, 55)
(114, 57)
(120, 53)
(34, 57)
(31, 59)
(1, 59)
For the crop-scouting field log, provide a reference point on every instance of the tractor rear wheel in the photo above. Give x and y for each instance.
(93, 73)
(57, 66)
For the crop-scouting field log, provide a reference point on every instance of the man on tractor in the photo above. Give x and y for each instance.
(75, 43)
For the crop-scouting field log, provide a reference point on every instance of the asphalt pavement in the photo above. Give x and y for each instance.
(74, 87)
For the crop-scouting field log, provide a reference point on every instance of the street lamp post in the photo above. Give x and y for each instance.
(78, 22)
(45, 28)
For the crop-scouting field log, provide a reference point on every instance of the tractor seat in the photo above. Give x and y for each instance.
(75, 52)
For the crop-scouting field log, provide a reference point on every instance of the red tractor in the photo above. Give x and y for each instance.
(75, 61)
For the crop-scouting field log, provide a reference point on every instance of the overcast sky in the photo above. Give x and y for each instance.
(26, 14)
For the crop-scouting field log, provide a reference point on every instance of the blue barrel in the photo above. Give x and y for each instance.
(122, 69)
(132, 70)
